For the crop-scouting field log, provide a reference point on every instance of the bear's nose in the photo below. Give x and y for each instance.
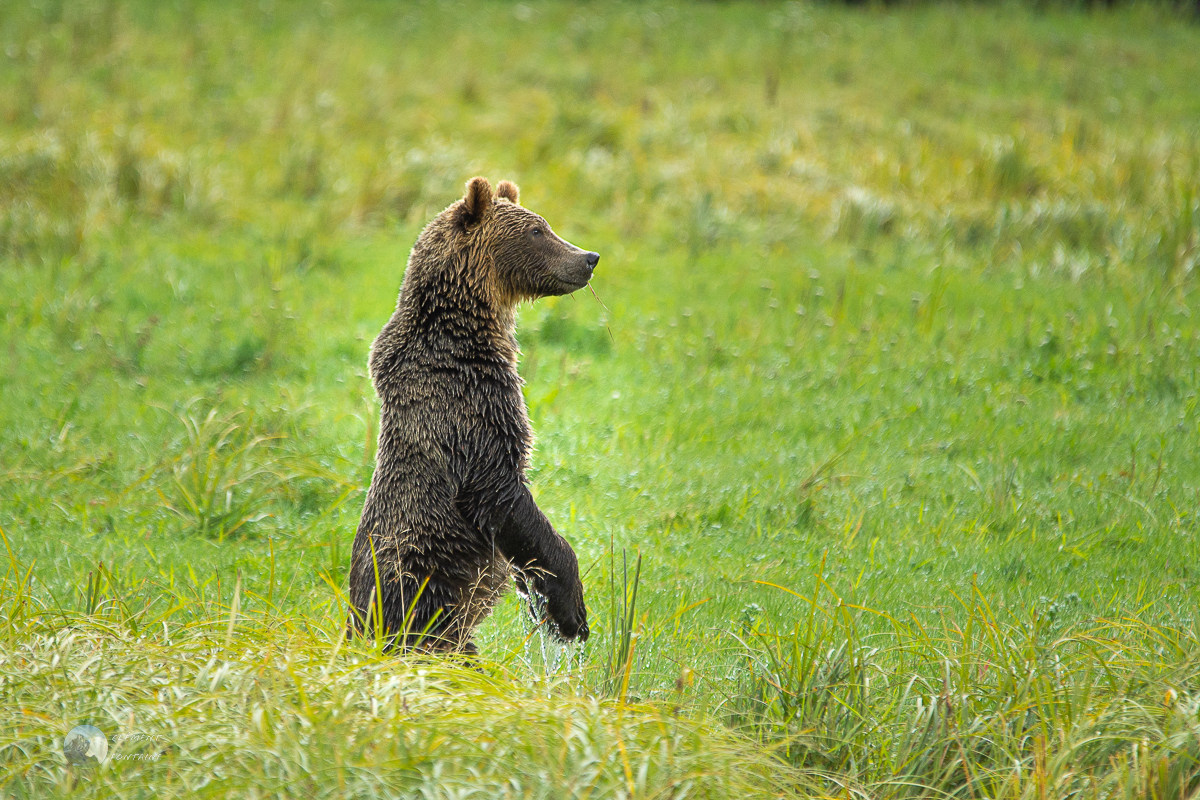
(592, 260)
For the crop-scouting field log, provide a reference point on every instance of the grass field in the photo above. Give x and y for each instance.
(881, 452)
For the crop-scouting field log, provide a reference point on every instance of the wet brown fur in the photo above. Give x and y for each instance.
(448, 514)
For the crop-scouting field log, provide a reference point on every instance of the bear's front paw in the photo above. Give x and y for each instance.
(568, 614)
(571, 625)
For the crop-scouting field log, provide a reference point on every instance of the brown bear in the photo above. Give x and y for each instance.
(449, 517)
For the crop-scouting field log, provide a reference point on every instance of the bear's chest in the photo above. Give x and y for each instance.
(474, 418)
(500, 410)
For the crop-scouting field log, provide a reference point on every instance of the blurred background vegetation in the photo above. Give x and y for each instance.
(892, 386)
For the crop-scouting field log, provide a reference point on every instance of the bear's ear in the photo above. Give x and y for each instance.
(478, 200)
(509, 191)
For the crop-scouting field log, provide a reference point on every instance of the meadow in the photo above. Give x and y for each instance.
(878, 440)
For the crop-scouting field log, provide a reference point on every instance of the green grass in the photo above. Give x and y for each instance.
(889, 414)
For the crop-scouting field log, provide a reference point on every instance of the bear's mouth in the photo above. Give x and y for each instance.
(579, 274)
(576, 285)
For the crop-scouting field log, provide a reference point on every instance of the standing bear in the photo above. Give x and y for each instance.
(449, 518)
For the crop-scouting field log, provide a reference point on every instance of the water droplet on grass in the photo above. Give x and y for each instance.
(557, 654)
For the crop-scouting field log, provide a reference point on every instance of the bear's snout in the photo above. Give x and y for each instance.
(590, 259)
(578, 269)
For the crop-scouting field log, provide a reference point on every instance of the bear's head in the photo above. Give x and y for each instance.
(527, 259)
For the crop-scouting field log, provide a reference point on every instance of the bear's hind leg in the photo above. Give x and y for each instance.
(420, 615)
